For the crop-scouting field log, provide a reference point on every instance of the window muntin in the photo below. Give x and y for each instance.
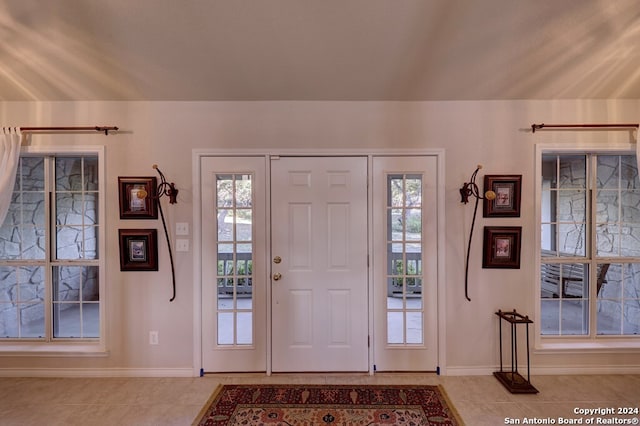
(590, 245)
(22, 305)
(618, 303)
(564, 201)
(76, 302)
(617, 207)
(49, 264)
(234, 213)
(404, 260)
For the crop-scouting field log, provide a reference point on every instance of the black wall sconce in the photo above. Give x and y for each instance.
(170, 190)
(470, 189)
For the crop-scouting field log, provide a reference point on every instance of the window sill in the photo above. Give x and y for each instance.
(53, 350)
(601, 346)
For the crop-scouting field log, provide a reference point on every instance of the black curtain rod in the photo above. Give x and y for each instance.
(104, 129)
(535, 127)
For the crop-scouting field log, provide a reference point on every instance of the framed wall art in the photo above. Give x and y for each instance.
(507, 189)
(138, 197)
(138, 249)
(501, 248)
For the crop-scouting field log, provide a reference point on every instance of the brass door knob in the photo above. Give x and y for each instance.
(277, 276)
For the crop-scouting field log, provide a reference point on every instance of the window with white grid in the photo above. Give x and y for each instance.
(50, 261)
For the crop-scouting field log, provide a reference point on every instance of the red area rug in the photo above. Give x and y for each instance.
(327, 405)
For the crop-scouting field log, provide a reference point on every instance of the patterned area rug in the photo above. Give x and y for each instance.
(327, 405)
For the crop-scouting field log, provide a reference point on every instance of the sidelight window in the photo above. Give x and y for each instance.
(404, 259)
(234, 213)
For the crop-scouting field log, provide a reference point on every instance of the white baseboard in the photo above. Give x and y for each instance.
(584, 369)
(470, 371)
(97, 372)
(551, 370)
(189, 372)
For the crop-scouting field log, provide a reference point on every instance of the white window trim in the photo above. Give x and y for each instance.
(81, 347)
(572, 344)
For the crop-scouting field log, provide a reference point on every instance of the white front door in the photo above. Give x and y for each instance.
(314, 275)
(319, 264)
(405, 263)
(233, 259)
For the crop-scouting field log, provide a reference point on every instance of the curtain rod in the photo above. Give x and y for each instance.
(535, 127)
(104, 129)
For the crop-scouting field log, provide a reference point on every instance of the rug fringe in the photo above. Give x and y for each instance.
(207, 404)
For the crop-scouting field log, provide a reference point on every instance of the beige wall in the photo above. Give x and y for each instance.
(496, 134)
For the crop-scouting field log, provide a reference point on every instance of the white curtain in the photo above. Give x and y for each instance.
(10, 140)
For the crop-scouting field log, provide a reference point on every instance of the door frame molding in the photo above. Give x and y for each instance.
(198, 154)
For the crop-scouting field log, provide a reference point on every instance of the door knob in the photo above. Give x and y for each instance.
(277, 276)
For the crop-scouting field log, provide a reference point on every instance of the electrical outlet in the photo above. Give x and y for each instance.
(153, 337)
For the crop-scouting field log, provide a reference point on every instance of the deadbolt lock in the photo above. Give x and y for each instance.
(277, 259)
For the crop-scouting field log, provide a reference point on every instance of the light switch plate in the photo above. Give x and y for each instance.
(182, 244)
(182, 228)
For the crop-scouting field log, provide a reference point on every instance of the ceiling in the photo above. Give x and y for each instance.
(352, 50)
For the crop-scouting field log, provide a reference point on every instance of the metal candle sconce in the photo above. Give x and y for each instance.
(470, 189)
(170, 190)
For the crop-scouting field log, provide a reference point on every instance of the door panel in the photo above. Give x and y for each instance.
(233, 194)
(319, 229)
(405, 260)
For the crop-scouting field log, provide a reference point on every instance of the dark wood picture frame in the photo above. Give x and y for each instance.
(138, 249)
(138, 198)
(501, 247)
(508, 189)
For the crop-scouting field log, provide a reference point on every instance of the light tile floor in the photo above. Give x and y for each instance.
(480, 400)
